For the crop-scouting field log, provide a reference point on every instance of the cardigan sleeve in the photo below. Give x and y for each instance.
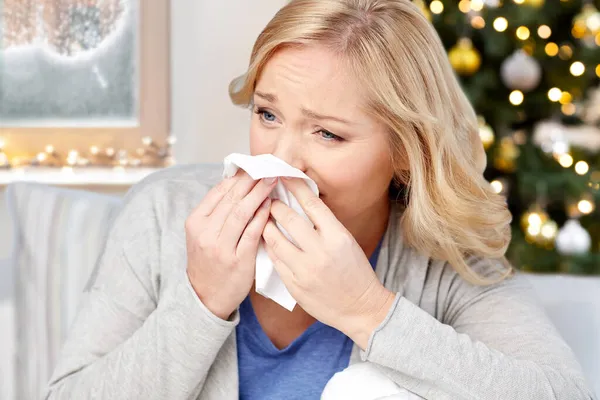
(489, 342)
(127, 341)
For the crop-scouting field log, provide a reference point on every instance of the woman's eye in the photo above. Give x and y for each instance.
(267, 116)
(328, 135)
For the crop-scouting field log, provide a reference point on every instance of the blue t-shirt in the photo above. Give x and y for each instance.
(301, 370)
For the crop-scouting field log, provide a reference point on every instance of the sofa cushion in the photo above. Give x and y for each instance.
(58, 236)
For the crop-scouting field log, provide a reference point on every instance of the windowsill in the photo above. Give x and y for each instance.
(88, 176)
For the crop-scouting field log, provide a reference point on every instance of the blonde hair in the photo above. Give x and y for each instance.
(452, 213)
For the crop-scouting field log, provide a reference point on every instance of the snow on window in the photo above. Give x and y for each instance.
(68, 62)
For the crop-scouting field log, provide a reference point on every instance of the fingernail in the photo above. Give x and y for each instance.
(270, 181)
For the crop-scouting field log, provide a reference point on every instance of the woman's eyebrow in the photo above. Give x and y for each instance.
(272, 98)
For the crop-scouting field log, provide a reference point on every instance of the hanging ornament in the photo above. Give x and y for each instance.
(464, 57)
(521, 71)
(586, 24)
(573, 239)
(538, 227)
(424, 9)
(486, 133)
(506, 155)
(492, 3)
(534, 3)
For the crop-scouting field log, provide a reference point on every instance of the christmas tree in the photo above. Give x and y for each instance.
(531, 69)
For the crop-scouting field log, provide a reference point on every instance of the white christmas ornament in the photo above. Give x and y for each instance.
(492, 3)
(521, 71)
(573, 239)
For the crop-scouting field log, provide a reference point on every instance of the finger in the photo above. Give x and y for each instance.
(282, 248)
(295, 225)
(242, 187)
(237, 221)
(214, 196)
(248, 244)
(285, 272)
(320, 215)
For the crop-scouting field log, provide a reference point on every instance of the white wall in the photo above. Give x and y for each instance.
(211, 44)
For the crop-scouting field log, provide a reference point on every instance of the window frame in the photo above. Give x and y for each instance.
(153, 100)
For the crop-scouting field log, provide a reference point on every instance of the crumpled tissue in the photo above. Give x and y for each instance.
(268, 282)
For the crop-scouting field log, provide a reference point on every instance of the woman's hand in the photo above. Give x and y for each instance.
(222, 237)
(328, 273)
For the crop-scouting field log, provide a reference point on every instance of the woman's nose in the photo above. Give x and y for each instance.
(290, 149)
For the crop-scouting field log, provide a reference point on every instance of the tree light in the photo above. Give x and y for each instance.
(566, 160)
(551, 49)
(497, 186)
(554, 94)
(436, 7)
(582, 168)
(516, 97)
(544, 31)
(523, 33)
(585, 206)
(577, 68)
(500, 24)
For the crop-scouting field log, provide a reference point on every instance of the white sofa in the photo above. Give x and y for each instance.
(61, 232)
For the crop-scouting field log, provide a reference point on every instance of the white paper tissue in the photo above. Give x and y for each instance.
(268, 282)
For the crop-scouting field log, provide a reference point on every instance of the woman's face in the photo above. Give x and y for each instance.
(309, 111)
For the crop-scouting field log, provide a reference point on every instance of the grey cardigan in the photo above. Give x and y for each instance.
(141, 333)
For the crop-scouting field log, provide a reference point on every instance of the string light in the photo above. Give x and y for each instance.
(151, 155)
(554, 94)
(551, 49)
(577, 68)
(544, 31)
(582, 167)
(436, 7)
(585, 206)
(478, 22)
(500, 24)
(523, 33)
(516, 97)
(464, 6)
(565, 98)
(565, 52)
(497, 186)
(476, 5)
(598, 69)
(568, 109)
(565, 160)
(519, 1)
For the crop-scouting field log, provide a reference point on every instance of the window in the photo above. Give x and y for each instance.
(82, 73)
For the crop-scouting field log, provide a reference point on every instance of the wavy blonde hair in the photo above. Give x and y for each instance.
(451, 212)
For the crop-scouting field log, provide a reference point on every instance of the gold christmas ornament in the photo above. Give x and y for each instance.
(538, 227)
(506, 155)
(586, 24)
(534, 3)
(464, 57)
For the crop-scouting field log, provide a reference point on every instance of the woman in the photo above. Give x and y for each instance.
(404, 269)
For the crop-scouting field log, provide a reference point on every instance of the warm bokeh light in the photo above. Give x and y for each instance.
(436, 7)
(582, 167)
(551, 49)
(544, 31)
(566, 160)
(464, 6)
(478, 22)
(585, 206)
(523, 32)
(577, 68)
(497, 186)
(500, 24)
(568, 109)
(565, 98)
(516, 97)
(554, 94)
(477, 5)
(565, 52)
